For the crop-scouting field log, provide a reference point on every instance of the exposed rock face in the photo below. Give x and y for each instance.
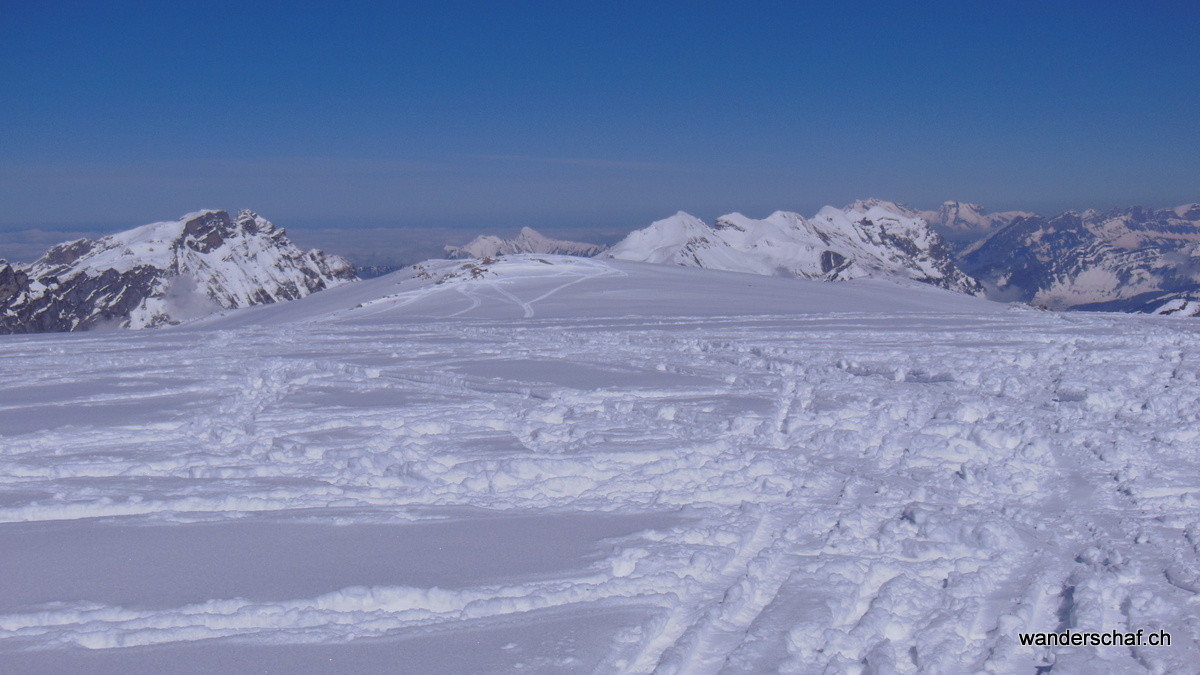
(870, 238)
(163, 273)
(528, 240)
(12, 282)
(372, 271)
(1120, 260)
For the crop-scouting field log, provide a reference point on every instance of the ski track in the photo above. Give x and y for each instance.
(864, 493)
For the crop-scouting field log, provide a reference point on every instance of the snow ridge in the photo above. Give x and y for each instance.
(869, 238)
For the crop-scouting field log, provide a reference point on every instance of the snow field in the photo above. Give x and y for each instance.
(808, 490)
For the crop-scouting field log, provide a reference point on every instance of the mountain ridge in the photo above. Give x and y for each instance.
(970, 218)
(528, 240)
(163, 273)
(868, 238)
(1085, 258)
(1132, 259)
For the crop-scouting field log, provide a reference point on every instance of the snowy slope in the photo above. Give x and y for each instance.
(528, 240)
(567, 287)
(1077, 259)
(565, 465)
(869, 238)
(163, 273)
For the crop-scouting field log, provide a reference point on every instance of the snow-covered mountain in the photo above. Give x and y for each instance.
(163, 273)
(970, 218)
(1184, 303)
(528, 240)
(869, 238)
(1179, 303)
(1125, 259)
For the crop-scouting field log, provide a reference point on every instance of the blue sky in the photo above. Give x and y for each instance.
(606, 115)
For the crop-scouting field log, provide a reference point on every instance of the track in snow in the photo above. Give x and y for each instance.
(675, 493)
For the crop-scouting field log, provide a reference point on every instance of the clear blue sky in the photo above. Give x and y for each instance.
(601, 113)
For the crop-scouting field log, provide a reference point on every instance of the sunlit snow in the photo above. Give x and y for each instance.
(551, 464)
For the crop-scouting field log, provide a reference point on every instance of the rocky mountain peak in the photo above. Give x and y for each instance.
(207, 231)
(163, 273)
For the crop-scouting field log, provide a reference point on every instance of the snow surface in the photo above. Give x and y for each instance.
(551, 464)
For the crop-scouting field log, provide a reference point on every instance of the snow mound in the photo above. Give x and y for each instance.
(529, 286)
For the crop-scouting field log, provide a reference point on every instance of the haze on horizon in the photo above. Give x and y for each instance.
(602, 116)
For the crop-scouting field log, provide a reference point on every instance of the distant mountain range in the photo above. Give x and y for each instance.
(1132, 260)
(968, 218)
(528, 240)
(870, 238)
(1129, 260)
(162, 273)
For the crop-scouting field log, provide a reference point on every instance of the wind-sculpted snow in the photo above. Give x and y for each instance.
(534, 465)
